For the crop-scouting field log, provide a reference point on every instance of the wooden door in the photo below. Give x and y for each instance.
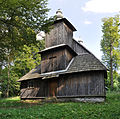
(52, 87)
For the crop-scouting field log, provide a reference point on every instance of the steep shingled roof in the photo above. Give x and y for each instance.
(85, 62)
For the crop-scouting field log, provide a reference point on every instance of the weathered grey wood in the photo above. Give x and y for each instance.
(88, 83)
(78, 48)
(55, 60)
(60, 34)
(39, 89)
(78, 84)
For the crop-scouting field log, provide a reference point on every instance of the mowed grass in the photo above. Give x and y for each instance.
(13, 108)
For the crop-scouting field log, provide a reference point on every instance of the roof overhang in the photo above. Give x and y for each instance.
(58, 47)
(66, 22)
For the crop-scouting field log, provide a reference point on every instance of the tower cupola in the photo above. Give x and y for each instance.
(59, 14)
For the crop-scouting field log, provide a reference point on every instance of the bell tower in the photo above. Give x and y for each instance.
(58, 50)
(62, 32)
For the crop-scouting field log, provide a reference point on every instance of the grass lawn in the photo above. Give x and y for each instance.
(13, 108)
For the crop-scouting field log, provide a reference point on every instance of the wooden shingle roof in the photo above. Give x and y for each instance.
(85, 62)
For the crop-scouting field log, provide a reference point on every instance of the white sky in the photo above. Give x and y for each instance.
(87, 22)
(102, 6)
(86, 16)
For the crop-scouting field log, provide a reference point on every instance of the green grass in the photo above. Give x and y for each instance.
(13, 108)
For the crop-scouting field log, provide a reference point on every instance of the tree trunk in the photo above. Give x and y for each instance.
(111, 67)
(0, 70)
(8, 82)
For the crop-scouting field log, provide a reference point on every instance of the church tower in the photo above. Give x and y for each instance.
(58, 50)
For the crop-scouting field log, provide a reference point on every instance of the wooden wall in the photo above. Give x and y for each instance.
(83, 84)
(60, 34)
(54, 60)
(37, 89)
(72, 85)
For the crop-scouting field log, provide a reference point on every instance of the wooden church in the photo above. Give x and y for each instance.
(68, 71)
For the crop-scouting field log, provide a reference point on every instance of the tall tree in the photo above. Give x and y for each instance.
(110, 44)
(24, 61)
(18, 21)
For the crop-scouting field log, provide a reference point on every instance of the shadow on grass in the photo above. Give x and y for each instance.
(15, 102)
(14, 108)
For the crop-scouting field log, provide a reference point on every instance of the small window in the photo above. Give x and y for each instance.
(30, 84)
(23, 85)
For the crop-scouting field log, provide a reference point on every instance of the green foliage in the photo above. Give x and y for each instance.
(111, 38)
(28, 58)
(3, 82)
(14, 108)
(19, 21)
(14, 85)
(110, 46)
(116, 81)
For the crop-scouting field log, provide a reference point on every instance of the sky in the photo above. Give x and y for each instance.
(86, 16)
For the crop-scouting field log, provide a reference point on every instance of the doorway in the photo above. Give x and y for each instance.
(53, 87)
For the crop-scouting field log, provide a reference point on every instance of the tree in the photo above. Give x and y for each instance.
(24, 61)
(18, 21)
(28, 58)
(110, 44)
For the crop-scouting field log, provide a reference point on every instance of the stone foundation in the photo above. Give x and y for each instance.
(99, 99)
(68, 99)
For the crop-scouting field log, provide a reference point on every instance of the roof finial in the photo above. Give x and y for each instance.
(59, 14)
